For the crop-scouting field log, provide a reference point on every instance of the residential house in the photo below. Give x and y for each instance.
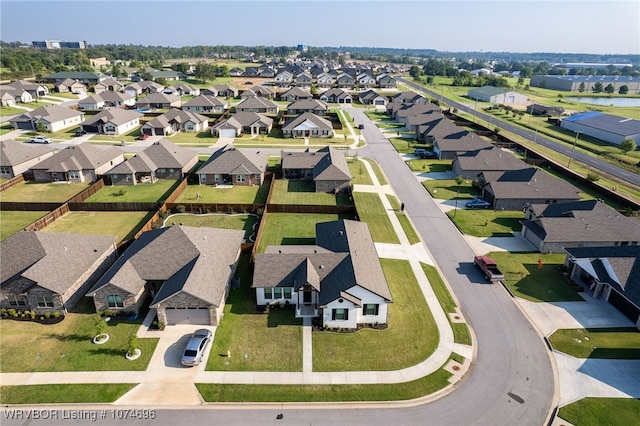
(69, 85)
(86, 77)
(408, 98)
(77, 163)
(339, 280)
(405, 111)
(113, 121)
(236, 72)
(34, 89)
(50, 271)
(295, 94)
(257, 104)
(267, 72)
(325, 81)
(371, 97)
(262, 92)
(518, 189)
(186, 270)
(251, 72)
(496, 95)
(17, 157)
(587, 223)
(386, 81)
(326, 167)
(11, 96)
(160, 160)
(284, 79)
(471, 163)
(175, 120)
(109, 85)
(345, 81)
(143, 87)
(168, 75)
(308, 125)
(107, 100)
(234, 166)
(448, 139)
(159, 101)
(366, 80)
(314, 106)
(182, 89)
(611, 273)
(336, 96)
(50, 117)
(221, 90)
(303, 79)
(206, 103)
(250, 123)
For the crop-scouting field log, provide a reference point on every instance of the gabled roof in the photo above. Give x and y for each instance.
(490, 158)
(107, 97)
(205, 101)
(54, 261)
(326, 163)
(178, 116)
(408, 96)
(297, 93)
(13, 153)
(257, 102)
(529, 183)
(51, 113)
(193, 260)
(308, 104)
(339, 93)
(79, 157)
(116, 116)
(159, 98)
(309, 120)
(369, 94)
(229, 159)
(159, 155)
(243, 119)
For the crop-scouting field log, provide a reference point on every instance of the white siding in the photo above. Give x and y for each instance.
(327, 313)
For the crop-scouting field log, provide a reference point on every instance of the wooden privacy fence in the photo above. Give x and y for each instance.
(259, 234)
(307, 208)
(87, 192)
(201, 208)
(16, 180)
(48, 218)
(114, 207)
(28, 207)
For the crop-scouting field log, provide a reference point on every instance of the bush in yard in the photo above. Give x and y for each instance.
(132, 343)
(101, 324)
(56, 314)
(47, 315)
(181, 208)
(592, 177)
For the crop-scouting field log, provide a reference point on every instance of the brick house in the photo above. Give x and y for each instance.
(17, 157)
(327, 168)
(77, 163)
(230, 165)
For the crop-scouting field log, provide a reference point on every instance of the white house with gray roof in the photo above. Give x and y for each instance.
(175, 120)
(52, 117)
(50, 271)
(186, 270)
(339, 280)
(206, 103)
(107, 99)
(250, 123)
(114, 121)
(308, 125)
(17, 157)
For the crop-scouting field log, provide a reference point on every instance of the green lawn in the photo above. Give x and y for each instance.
(406, 145)
(292, 228)
(14, 221)
(446, 189)
(407, 227)
(526, 280)
(382, 179)
(411, 338)
(64, 393)
(237, 221)
(303, 192)
(486, 222)
(603, 343)
(31, 192)
(200, 138)
(236, 194)
(359, 174)
(67, 346)
(123, 225)
(602, 411)
(429, 166)
(150, 192)
(257, 341)
(4, 127)
(371, 211)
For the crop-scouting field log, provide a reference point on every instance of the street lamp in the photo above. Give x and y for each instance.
(575, 141)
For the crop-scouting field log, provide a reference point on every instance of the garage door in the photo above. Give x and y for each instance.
(380, 102)
(624, 305)
(227, 133)
(187, 316)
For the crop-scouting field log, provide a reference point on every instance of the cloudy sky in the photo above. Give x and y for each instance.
(563, 26)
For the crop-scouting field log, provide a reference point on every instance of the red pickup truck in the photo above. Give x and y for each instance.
(489, 267)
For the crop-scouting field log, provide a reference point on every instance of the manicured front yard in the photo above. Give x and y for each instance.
(64, 393)
(371, 210)
(123, 225)
(29, 346)
(487, 222)
(292, 228)
(526, 280)
(236, 194)
(245, 222)
(411, 337)
(303, 192)
(604, 343)
(14, 221)
(257, 341)
(602, 411)
(148, 192)
(448, 189)
(359, 175)
(32, 192)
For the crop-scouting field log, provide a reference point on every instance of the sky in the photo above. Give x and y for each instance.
(558, 26)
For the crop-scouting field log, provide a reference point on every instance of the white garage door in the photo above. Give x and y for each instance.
(227, 133)
(187, 316)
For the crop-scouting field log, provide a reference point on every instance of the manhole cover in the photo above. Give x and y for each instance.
(455, 368)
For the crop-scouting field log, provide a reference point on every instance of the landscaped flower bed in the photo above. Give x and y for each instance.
(20, 315)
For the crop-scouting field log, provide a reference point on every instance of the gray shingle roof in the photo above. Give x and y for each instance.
(177, 116)
(308, 104)
(227, 160)
(312, 122)
(85, 156)
(492, 158)
(13, 153)
(205, 101)
(159, 155)
(529, 183)
(52, 113)
(116, 116)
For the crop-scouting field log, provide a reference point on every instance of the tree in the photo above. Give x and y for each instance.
(628, 145)
(609, 89)
(581, 88)
(623, 90)
(204, 71)
(597, 88)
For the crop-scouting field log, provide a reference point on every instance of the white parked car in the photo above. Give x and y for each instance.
(40, 139)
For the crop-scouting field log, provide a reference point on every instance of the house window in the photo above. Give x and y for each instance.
(115, 301)
(216, 178)
(340, 314)
(15, 300)
(5, 170)
(110, 129)
(44, 301)
(370, 309)
(268, 293)
(74, 174)
(240, 178)
(277, 293)
(287, 293)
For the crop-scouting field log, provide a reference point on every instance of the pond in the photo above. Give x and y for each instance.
(619, 102)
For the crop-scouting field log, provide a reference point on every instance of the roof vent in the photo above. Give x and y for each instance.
(341, 232)
(321, 266)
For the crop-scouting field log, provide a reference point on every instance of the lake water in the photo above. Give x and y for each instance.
(619, 102)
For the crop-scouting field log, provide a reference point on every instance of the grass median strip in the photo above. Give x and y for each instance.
(64, 393)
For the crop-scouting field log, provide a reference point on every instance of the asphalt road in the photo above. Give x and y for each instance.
(579, 156)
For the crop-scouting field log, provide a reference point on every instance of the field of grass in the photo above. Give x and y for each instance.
(64, 393)
(14, 221)
(371, 211)
(257, 341)
(526, 280)
(487, 223)
(602, 411)
(122, 225)
(33, 192)
(237, 194)
(150, 192)
(359, 174)
(603, 343)
(303, 192)
(226, 221)
(411, 337)
(200, 138)
(292, 228)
